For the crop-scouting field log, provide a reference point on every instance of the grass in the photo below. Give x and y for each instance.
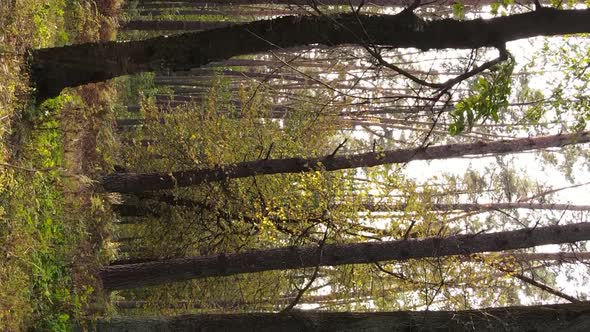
(52, 227)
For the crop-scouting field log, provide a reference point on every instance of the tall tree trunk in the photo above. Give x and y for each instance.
(129, 182)
(207, 76)
(163, 25)
(133, 210)
(53, 69)
(399, 3)
(223, 11)
(228, 304)
(158, 272)
(559, 317)
(384, 207)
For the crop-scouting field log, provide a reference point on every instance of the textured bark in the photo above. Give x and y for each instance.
(229, 304)
(559, 317)
(56, 68)
(225, 11)
(130, 210)
(482, 207)
(165, 271)
(129, 182)
(514, 205)
(163, 25)
(398, 3)
(201, 75)
(321, 64)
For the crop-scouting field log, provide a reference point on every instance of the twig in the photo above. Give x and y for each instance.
(338, 148)
(314, 5)
(358, 9)
(410, 9)
(440, 87)
(313, 276)
(537, 284)
(269, 151)
(407, 233)
(551, 191)
(32, 170)
(397, 275)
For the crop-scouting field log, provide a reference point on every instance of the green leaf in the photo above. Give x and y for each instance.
(490, 95)
(495, 6)
(459, 10)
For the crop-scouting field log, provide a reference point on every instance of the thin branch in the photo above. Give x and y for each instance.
(32, 170)
(313, 276)
(339, 147)
(540, 285)
(552, 191)
(441, 87)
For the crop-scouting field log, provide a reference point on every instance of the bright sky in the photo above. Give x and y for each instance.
(526, 163)
(522, 50)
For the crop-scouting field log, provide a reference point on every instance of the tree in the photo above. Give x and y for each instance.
(53, 69)
(481, 206)
(172, 25)
(560, 317)
(396, 3)
(129, 183)
(138, 210)
(157, 272)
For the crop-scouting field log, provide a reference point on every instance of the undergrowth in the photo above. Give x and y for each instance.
(51, 225)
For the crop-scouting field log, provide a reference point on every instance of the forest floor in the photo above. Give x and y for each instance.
(54, 230)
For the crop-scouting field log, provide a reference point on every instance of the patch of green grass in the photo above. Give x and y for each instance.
(39, 237)
(28, 213)
(49, 22)
(50, 229)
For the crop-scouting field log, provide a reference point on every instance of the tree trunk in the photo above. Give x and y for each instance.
(159, 272)
(390, 3)
(224, 11)
(130, 183)
(53, 69)
(133, 210)
(163, 25)
(468, 207)
(559, 317)
(229, 304)
(208, 75)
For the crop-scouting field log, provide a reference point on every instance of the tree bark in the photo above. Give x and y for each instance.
(133, 210)
(390, 3)
(165, 271)
(559, 317)
(224, 11)
(468, 207)
(133, 183)
(229, 304)
(53, 69)
(163, 25)
(207, 75)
